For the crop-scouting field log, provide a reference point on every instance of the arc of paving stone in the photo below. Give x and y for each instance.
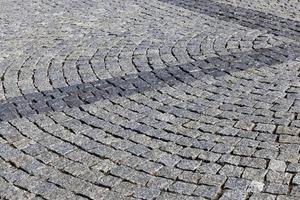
(91, 92)
(111, 113)
(71, 63)
(60, 187)
(60, 83)
(258, 20)
(9, 78)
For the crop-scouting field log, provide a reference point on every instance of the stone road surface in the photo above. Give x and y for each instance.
(160, 99)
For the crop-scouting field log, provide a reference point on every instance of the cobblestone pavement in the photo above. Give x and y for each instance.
(160, 99)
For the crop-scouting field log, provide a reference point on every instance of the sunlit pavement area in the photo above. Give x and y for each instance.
(160, 99)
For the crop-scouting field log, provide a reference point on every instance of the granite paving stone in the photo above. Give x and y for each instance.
(161, 99)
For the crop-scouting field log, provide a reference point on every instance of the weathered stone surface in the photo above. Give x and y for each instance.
(162, 99)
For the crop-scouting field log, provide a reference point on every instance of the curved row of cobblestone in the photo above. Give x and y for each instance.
(274, 24)
(164, 143)
(76, 95)
(90, 55)
(284, 8)
(148, 100)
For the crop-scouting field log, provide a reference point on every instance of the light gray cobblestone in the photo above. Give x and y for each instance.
(162, 99)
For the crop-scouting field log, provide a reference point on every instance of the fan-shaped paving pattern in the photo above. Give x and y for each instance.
(80, 53)
(165, 142)
(143, 99)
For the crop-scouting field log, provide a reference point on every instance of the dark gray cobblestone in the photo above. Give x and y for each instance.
(139, 99)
